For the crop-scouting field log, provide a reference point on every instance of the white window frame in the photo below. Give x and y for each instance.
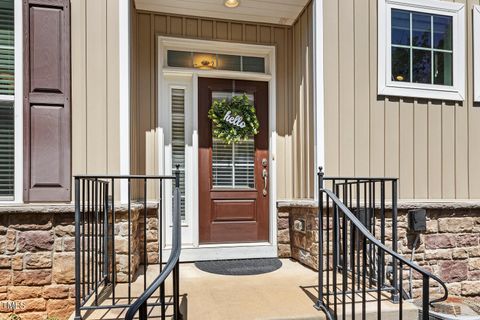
(476, 53)
(386, 86)
(17, 99)
(165, 130)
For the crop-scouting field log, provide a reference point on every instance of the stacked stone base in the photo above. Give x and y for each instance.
(37, 257)
(450, 247)
(37, 262)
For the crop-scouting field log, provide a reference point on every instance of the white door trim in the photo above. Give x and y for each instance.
(192, 250)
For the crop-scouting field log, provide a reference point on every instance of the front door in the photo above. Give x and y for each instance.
(233, 178)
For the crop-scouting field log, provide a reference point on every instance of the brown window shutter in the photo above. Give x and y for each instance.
(47, 106)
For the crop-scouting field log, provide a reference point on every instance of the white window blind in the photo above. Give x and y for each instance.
(178, 139)
(7, 130)
(7, 52)
(6, 151)
(233, 164)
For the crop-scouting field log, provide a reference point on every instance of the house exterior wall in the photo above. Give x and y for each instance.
(294, 124)
(432, 146)
(95, 87)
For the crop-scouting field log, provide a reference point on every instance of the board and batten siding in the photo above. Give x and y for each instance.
(95, 87)
(432, 146)
(303, 116)
(294, 154)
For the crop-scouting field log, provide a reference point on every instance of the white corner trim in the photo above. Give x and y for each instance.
(18, 101)
(318, 92)
(391, 88)
(124, 80)
(476, 53)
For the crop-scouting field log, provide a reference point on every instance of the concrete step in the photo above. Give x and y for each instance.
(286, 294)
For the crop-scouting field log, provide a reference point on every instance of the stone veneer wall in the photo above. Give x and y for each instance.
(37, 257)
(37, 262)
(450, 248)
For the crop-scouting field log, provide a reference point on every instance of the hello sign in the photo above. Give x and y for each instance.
(234, 120)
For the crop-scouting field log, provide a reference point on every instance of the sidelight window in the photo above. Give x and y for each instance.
(178, 139)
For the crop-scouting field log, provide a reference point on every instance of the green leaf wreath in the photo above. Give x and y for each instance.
(233, 119)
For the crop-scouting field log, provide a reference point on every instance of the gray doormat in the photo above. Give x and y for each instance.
(244, 267)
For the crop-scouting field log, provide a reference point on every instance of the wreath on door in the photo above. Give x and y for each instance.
(234, 119)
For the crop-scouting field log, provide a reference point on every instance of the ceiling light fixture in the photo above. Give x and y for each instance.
(232, 3)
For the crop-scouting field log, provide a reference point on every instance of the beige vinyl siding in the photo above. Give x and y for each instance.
(302, 114)
(95, 87)
(294, 125)
(432, 146)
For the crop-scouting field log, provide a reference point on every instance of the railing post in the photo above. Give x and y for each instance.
(143, 312)
(78, 315)
(105, 235)
(396, 293)
(335, 242)
(320, 239)
(426, 298)
(178, 230)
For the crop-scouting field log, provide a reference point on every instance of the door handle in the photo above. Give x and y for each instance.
(265, 181)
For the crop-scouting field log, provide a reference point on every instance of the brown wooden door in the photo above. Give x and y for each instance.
(233, 196)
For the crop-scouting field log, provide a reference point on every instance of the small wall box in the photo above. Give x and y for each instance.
(417, 220)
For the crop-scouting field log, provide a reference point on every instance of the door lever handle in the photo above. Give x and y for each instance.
(265, 181)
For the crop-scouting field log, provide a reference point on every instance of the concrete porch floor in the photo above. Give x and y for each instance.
(288, 293)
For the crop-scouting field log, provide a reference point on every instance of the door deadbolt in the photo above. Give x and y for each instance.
(264, 162)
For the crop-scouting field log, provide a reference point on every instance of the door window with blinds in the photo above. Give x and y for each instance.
(233, 164)
(7, 131)
(178, 139)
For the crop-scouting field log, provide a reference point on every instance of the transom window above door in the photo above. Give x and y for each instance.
(214, 61)
(421, 46)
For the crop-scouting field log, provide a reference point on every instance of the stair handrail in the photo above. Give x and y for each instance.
(359, 225)
(140, 305)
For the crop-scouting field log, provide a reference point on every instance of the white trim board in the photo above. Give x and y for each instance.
(124, 99)
(386, 86)
(184, 77)
(476, 53)
(318, 92)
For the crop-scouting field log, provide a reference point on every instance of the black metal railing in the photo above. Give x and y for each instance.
(111, 247)
(141, 304)
(358, 259)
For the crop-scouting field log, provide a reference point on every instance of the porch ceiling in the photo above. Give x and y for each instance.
(269, 11)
